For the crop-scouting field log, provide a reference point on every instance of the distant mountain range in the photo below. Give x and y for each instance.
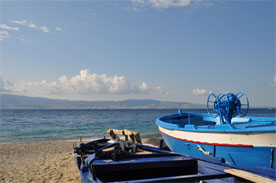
(22, 102)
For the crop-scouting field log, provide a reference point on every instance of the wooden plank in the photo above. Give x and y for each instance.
(184, 178)
(141, 151)
(249, 176)
(108, 149)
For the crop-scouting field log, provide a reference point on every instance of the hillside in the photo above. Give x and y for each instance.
(22, 102)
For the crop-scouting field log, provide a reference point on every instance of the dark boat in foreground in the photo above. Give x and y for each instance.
(114, 160)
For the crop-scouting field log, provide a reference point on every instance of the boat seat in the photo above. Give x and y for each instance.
(108, 149)
(143, 152)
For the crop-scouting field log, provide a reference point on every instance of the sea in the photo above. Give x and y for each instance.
(31, 125)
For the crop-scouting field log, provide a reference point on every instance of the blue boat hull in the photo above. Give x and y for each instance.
(243, 157)
(157, 166)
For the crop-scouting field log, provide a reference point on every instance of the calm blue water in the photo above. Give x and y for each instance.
(43, 125)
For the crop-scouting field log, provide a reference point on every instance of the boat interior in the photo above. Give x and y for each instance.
(140, 162)
(209, 121)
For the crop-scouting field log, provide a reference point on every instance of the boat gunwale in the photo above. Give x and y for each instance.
(216, 128)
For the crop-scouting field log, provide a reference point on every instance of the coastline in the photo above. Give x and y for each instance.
(42, 162)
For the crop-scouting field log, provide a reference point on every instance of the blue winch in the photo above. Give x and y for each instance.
(228, 105)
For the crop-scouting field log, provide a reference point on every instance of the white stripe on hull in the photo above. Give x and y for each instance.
(232, 139)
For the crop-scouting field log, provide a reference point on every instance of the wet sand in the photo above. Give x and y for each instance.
(41, 162)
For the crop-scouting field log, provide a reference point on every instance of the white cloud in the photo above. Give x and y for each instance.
(161, 4)
(85, 83)
(3, 35)
(274, 81)
(139, 5)
(200, 91)
(3, 86)
(58, 28)
(44, 29)
(23, 40)
(23, 22)
(146, 89)
(31, 25)
(4, 26)
(143, 86)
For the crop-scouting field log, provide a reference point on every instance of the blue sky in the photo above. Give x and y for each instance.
(176, 50)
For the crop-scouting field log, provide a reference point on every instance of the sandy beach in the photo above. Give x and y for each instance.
(41, 162)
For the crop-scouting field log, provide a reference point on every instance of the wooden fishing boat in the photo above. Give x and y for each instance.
(129, 161)
(224, 132)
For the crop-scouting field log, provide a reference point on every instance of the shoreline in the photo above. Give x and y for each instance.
(42, 162)
(148, 136)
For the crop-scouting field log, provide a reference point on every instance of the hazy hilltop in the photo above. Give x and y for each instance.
(22, 102)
